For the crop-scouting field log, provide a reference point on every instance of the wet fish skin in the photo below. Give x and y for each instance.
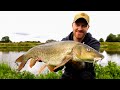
(57, 54)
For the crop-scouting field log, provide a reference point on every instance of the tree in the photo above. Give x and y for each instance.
(101, 40)
(5, 39)
(50, 40)
(118, 38)
(111, 38)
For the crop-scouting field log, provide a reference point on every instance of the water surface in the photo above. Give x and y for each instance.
(10, 57)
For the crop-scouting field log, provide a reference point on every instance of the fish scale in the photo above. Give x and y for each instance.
(57, 54)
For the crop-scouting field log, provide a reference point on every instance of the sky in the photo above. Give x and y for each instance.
(45, 25)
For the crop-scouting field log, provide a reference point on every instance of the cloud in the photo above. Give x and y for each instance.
(39, 37)
(20, 33)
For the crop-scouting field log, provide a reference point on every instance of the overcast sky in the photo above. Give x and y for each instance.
(44, 25)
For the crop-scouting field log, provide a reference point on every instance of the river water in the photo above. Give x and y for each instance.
(11, 56)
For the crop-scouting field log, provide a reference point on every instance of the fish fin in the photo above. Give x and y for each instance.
(65, 60)
(51, 68)
(32, 62)
(20, 59)
(21, 65)
(42, 68)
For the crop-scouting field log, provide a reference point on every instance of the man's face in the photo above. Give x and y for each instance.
(80, 28)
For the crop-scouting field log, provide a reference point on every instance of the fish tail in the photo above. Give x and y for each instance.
(21, 65)
(23, 62)
(20, 59)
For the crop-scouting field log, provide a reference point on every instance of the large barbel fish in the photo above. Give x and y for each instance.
(57, 54)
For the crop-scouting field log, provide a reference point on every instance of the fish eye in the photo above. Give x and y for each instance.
(88, 49)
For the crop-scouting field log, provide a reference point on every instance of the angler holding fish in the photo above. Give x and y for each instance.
(76, 52)
(80, 26)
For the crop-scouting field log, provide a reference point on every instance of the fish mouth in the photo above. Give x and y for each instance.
(97, 59)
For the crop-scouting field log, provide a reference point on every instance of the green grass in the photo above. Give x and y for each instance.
(18, 46)
(111, 71)
(6, 72)
(24, 46)
(110, 46)
(50, 75)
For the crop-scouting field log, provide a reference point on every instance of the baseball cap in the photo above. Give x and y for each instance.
(81, 15)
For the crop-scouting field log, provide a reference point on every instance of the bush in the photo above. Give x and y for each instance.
(111, 71)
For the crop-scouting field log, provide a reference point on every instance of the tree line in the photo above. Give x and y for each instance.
(110, 38)
(6, 39)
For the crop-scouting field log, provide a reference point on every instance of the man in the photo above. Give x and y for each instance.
(80, 27)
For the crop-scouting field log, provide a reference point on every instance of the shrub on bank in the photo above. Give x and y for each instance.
(110, 71)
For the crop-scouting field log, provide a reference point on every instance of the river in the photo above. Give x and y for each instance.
(11, 56)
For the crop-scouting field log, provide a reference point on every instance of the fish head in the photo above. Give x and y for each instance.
(85, 53)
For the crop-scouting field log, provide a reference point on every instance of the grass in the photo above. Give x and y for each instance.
(6, 72)
(110, 71)
(24, 46)
(110, 46)
(18, 46)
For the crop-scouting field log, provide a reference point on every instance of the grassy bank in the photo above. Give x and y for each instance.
(110, 47)
(6, 72)
(20, 46)
(111, 71)
(24, 46)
